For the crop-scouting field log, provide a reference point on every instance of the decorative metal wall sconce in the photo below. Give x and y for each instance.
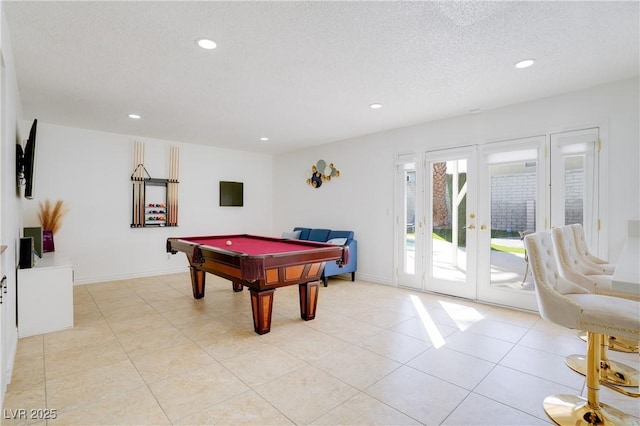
(321, 172)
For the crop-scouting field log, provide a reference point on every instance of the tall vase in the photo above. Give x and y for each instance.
(47, 242)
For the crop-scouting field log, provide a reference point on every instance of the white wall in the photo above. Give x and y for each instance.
(91, 172)
(10, 210)
(361, 199)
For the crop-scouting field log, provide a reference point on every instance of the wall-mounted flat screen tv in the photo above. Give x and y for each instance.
(231, 194)
(30, 161)
(26, 162)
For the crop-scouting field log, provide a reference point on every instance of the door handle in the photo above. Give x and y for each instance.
(472, 226)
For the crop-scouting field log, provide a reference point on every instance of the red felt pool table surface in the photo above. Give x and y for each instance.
(254, 245)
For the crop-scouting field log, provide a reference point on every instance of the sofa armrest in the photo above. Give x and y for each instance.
(332, 268)
(353, 256)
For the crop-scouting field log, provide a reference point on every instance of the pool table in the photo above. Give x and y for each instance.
(262, 264)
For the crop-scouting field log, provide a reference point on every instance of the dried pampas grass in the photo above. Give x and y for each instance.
(51, 215)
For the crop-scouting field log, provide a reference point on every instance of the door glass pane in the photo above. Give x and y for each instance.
(513, 215)
(449, 204)
(574, 189)
(409, 228)
(575, 181)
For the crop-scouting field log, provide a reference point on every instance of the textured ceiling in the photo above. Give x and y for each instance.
(304, 73)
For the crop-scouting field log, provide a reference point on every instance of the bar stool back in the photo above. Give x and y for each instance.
(569, 305)
(573, 269)
(585, 255)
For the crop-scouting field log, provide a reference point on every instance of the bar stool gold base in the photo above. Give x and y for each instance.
(610, 373)
(622, 345)
(575, 411)
(616, 344)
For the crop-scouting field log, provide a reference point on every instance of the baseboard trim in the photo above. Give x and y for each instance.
(181, 269)
(365, 277)
(106, 278)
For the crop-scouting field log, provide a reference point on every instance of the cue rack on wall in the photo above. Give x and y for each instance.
(155, 201)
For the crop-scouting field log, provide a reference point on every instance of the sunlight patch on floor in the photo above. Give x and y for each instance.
(430, 327)
(463, 316)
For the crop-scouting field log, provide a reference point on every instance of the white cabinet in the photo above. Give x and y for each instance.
(45, 296)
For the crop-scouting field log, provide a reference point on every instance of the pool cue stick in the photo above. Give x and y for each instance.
(174, 198)
(177, 181)
(135, 184)
(140, 188)
(175, 186)
(138, 184)
(170, 189)
(172, 205)
(140, 196)
(171, 179)
(140, 208)
(143, 189)
(173, 173)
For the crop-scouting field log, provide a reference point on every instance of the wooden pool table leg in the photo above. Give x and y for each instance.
(262, 306)
(308, 299)
(197, 282)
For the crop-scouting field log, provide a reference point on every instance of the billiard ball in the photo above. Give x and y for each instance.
(228, 242)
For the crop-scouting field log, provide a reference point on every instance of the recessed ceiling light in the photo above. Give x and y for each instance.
(375, 106)
(264, 139)
(206, 43)
(134, 116)
(525, 63)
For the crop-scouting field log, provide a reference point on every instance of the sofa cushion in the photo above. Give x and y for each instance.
(337, 241)
(320, 235)
(294, 235)
(304, 232)
(340, 234)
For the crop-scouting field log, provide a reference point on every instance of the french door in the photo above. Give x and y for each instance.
(512, 203)
(575, 177)
(409, 221)
(464, 212)
(450, 231)
(441, 184)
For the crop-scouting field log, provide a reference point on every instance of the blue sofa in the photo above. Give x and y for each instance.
(326, 235)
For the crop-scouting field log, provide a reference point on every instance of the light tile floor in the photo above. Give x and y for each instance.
(143, 351)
